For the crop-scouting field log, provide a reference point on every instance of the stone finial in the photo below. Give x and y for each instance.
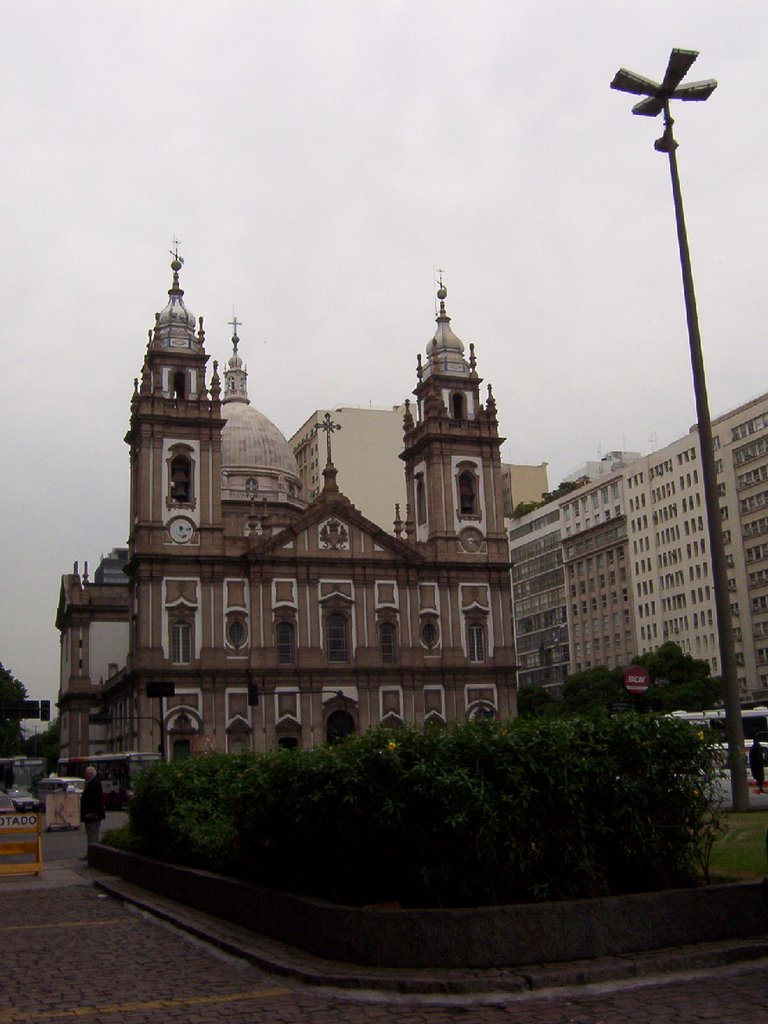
(398, 523)
(215, 382)
(407, 416)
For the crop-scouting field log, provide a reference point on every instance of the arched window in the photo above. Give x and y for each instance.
(181, 479)
(467, 493)
(421, 499)
(388, 642)
(336, 635)
(285, 641)
(181, 643)
(179, 384)
(476, 641)
(483, 710)
(457, 405)
(340, 724)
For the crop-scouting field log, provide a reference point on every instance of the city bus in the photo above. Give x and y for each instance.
(117, 773)
(754, 722)
(21, 772)
(755, 725)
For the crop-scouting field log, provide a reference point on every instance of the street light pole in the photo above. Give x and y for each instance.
(657, 100)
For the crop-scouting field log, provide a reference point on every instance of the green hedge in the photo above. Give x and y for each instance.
(485, 813)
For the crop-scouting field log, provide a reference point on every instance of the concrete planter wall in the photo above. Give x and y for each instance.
(469, 937)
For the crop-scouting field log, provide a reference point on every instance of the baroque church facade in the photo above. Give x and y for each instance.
(251, 619)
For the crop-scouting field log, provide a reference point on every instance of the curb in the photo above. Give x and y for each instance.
(287, 961)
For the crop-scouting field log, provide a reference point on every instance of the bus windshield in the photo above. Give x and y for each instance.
(21, 772)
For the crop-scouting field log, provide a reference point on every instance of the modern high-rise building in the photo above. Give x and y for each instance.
(522, 483)
(539, 601)
(366, 452)
(645, 522)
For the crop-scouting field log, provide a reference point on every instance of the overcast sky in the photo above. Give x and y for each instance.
(318, 160)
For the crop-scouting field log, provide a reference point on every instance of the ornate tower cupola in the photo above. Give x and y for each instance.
(445, 352)
(235, 376)
(176, 358)
(451, 451)
(175, 325)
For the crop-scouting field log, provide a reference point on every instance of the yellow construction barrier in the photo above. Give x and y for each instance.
(11, 827)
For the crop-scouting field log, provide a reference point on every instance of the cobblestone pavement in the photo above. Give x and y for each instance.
(72, 953)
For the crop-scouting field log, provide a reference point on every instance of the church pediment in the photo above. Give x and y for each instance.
(336, 529)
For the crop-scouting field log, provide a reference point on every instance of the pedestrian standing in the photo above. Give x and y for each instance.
(757, 764)
(92, 805)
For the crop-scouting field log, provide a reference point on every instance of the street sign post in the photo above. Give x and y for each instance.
(636, 679)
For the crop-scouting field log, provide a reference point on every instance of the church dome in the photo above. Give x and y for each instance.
(256, 460)
(251, 441)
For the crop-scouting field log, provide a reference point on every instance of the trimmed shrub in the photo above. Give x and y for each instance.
(485, 813)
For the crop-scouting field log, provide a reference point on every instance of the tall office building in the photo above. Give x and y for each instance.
(650, 512)
(366, 452)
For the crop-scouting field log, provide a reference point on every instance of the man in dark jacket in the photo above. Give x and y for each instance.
(92, 805)
(757, 764)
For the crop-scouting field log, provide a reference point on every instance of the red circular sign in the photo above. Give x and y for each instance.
(636, 679)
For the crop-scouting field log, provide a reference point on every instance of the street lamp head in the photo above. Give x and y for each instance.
(657, 96)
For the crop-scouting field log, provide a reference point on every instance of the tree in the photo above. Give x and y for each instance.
(524, 507)
(680, 682)
(596, 688)
(535, 702)
(11, 741)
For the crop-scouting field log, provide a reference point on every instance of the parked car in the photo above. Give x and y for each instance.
(23, 800)
(6, 804)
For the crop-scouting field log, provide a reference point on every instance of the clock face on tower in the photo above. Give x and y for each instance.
(471, 539)
(181, 530)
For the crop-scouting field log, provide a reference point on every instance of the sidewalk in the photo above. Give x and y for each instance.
(56, 875)
(288, 962)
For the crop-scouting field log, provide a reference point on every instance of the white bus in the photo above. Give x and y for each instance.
(755, 724)
(753, 720)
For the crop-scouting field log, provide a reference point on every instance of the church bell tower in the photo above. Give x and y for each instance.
(452, 453)
(175, 504)
(175, 436)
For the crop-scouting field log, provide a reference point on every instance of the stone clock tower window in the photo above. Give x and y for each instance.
(421, 501)
(457, 405)
(180, 469)
(467, 493)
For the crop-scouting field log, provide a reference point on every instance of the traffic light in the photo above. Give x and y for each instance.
(253, 695)
(45, 711)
